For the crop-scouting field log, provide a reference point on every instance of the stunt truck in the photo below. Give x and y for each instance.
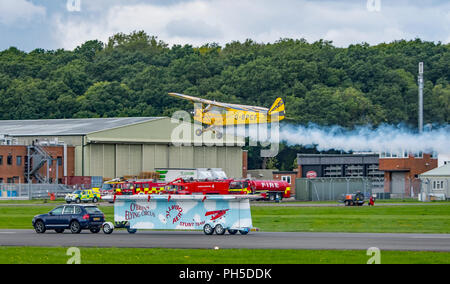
(211, 214)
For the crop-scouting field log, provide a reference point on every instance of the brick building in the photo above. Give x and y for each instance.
(401, 172)
(287, 176)
(14, 163)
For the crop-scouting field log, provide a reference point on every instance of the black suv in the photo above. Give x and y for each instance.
(73, 217)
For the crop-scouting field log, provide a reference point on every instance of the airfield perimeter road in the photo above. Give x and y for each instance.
(255, 240)
(255, 204)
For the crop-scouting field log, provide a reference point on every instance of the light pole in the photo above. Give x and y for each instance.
(420, 97)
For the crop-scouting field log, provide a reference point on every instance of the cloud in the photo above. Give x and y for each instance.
(204, 21)
(19, 12)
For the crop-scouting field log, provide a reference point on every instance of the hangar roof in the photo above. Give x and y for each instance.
(66, 127)
(438, 172)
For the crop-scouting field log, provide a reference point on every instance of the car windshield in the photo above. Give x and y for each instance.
(93, 210)
(235, 185)
(107, 186)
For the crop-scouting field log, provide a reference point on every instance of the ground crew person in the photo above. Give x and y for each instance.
(371, 201)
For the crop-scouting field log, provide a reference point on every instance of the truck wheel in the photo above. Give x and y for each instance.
(68, 202)
(108, 228)
(208, 229)
(271, 197)
(220, 230)
(77, 201)
(95, 200)
(75, 227)
(232, 232)
(244, 232)
(95, 230)
(131, 231)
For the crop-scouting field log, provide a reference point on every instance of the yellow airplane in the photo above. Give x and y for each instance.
(217, 114)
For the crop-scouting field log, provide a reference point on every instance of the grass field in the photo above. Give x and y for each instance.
(43, 255)
(385, 219)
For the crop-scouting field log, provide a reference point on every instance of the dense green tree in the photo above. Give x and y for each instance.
(131, 74)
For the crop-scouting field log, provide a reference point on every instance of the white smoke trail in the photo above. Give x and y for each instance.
(386, 138)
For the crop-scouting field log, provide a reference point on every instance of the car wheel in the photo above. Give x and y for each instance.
(219, 229)
(95, 200)
(77, 201)
(107, 228)
(75, 227)
(208, 229)
(39, 227)
(59, 231)
(232, 232)
(95, 230)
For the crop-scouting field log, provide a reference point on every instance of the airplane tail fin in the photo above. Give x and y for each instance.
(278, 108)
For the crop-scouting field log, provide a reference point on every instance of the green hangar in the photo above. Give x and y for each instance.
(115, 147)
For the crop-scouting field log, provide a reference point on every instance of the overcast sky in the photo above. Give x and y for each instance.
(53, 24)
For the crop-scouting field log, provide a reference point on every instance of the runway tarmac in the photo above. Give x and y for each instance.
(255, 240)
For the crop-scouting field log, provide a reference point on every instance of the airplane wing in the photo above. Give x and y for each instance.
(218, 104)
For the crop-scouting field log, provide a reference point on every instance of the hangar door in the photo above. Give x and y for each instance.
(398, 182)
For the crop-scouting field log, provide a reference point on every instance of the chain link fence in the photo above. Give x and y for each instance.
(33, 191)
(330, 189)
(405, 188)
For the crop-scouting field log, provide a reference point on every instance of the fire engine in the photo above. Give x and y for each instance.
(269, 190)
(187, 187)
(272, 190)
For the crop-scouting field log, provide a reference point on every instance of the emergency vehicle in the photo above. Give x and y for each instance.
(183, 187)
(83, 196)
(139, 187)
(169, 175)
(269, 190)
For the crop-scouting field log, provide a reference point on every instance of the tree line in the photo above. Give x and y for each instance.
(131, 74)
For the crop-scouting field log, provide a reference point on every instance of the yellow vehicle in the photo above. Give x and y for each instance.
(216, 114)
(87, 195)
